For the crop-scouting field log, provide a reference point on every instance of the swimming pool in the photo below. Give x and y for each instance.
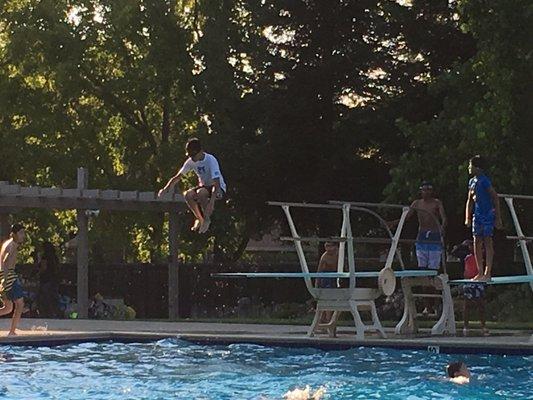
(175, 369)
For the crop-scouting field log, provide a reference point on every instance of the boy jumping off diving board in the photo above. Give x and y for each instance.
(211, 185)
(482, 214)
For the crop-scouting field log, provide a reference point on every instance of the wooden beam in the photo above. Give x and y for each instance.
(173, 283)
(83, 251)
(102, 203)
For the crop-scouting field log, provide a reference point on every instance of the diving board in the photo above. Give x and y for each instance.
(333, 275)
(351, 298)
(497, 280)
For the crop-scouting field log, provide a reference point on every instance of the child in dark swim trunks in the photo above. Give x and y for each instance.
(328, 263)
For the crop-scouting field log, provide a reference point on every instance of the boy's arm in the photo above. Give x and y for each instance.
(497, 210)
(468, 209)
(7, 258)
(216, 193)
(174, 180)
(442, 213)
(321, 264)
(410, 213)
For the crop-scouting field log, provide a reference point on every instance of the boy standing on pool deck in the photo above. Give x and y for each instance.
(211, 185)
(482, 214)
(10, 286)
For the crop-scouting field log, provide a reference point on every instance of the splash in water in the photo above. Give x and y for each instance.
(304, 394)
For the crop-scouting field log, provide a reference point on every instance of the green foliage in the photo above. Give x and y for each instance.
(299, 100)
(486, 103)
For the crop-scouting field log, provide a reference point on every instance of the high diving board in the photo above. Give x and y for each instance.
(497, 280)
(332, 275)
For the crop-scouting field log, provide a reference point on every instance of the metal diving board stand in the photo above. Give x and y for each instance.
(445, 323)
(352, 299)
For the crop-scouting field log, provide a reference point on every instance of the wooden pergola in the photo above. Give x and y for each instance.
(81, 199)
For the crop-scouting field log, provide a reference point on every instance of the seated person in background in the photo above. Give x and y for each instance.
(458, 372)
(328, 263)
(474, 293)
(71, 247)
(48, 297)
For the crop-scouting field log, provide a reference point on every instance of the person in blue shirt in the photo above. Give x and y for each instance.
(483, 215)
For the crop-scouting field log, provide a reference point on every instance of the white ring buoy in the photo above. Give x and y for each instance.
(387, 281)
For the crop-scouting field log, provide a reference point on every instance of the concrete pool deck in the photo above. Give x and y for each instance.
(49, 332)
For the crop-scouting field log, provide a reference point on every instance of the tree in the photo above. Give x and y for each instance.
(104, 84)
(485, 109)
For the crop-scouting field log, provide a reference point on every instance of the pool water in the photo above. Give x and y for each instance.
(173, 369)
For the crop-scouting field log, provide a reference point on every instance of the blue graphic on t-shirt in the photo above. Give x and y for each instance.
(483, 208)
(201, 170)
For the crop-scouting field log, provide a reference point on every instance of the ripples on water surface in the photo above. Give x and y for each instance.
(172, 369)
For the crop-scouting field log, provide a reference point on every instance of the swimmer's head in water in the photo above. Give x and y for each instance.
(456, 369)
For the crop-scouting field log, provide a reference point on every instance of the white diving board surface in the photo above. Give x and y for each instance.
(497, 280)
(364, 274)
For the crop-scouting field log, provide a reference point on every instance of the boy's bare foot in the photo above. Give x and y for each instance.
(487, 274)
(478, 277)
(196, 225)
(12, 333)
(205, 226)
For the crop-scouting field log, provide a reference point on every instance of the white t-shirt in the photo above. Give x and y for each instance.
(206, 169)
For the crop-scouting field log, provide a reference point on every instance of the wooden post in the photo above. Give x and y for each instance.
(83, 251)
(4, 226)
(173, 287)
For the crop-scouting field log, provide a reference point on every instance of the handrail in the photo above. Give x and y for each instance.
(516, 196)
(305, 205)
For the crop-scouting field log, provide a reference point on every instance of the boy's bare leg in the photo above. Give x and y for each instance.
(204, 201)
(478, 253)
(191, 198)
(19, 307)
(7, 306)
(489, 250)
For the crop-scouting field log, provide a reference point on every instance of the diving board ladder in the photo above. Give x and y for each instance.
(351, 299)
(521, 238)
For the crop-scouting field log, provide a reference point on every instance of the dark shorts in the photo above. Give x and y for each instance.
(483, 226)
(210, 190)
(326, 283)
(474, 291)
(16, 292)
